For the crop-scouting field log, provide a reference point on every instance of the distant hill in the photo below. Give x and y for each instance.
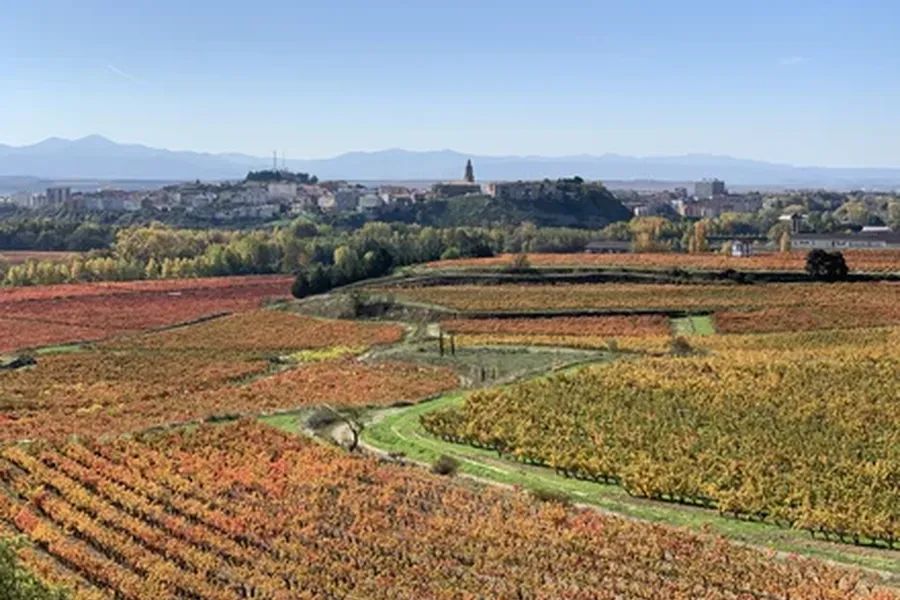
(588, 205)
(95, 157)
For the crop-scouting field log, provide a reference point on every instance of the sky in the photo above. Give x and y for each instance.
(801, 82)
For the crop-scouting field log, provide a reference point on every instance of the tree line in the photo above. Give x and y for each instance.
(317, 252)
(321, 255)
(54, 234)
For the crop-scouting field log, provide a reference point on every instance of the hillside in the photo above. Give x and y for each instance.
(583, 205)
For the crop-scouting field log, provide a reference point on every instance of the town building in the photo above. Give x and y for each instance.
(864, 240)
(340, 200)
(741, 248)
(282, 191)
(794, 220)
(452, 189)
(59, 195)
(710, 208)
(369, 203)
(518, 190)
(709, 188)
(28, 200)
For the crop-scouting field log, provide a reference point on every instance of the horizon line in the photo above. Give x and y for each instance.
(584, 155)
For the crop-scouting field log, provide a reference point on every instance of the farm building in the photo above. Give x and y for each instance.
(864, 240)
(607, 247)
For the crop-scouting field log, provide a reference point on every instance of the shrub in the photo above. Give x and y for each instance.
(17, 362)
(445, 465)
(451, 253)
(826, 266)
(519, 263)
(321, 418)
(545, 495)
(680, 346)
(732, 275)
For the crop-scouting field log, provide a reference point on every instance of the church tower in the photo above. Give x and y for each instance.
(470, 172)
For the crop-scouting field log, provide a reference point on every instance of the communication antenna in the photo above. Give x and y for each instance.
(274, 160)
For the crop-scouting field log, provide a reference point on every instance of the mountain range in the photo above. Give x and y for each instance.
(95, 157)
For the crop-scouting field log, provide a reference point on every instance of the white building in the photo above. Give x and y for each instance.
(369, 203)
(29, 200)
(282, 190)
(341, 200)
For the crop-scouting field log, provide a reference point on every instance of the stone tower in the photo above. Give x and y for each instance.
(470, 172)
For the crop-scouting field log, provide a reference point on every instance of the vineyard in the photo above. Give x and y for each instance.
(131, 468)
(739, 309)
(58, 314)
(241, 511)
(639, 344)
(808, 437)
(611, 326)
(266, 331)
(859, 261)
(215, 368)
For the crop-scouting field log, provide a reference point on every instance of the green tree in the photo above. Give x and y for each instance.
(346, 265)
(893, 214)
(89, 236)
(318, 279)
(377, 262)
(300, 288)
(152, 270)
(854, 212)
(451, 253)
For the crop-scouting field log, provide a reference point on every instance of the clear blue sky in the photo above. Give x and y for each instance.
(805, 82)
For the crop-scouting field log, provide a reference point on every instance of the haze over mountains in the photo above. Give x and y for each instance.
(95, 157)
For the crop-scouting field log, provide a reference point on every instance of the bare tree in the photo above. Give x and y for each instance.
(350, 418)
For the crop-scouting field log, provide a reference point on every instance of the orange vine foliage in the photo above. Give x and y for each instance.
(266, 331)
(631, 326)
(344, 382)
(55, 314)
(743, 308)
(243, 511)
(861, 261)
(200, 371)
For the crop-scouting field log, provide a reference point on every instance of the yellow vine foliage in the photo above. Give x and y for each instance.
(798, 429)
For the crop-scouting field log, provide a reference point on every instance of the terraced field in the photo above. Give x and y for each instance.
(127, 489)
(737, 308)
(59, 314)
(859, 261)
(239, 364)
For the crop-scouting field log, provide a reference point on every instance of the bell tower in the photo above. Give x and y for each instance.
(470, 172)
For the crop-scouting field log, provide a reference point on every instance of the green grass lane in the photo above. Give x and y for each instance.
(693, 325)
(59, 349)
(399, 430)
(291, 422)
